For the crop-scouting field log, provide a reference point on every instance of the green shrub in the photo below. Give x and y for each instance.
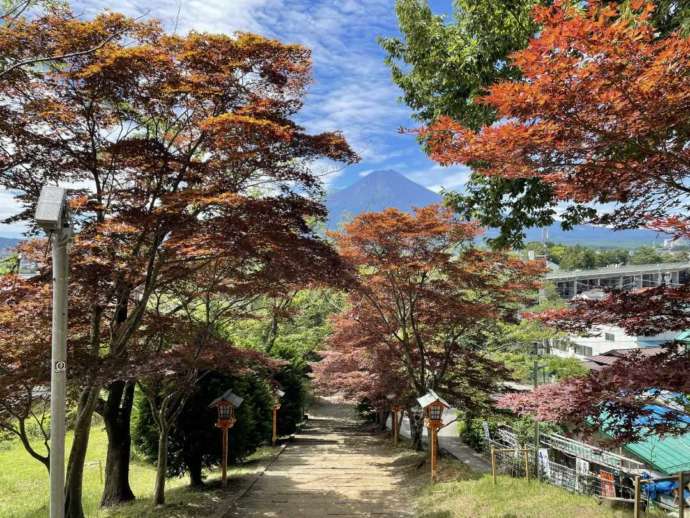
(471, 431)
(521, 364)
(291, 413)
(195, 442)
(366, 411)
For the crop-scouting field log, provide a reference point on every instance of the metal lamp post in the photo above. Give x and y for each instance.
(226, 406)
(433, 406)
(277, 395)
(52, 215)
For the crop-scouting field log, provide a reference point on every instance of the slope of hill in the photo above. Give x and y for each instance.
(375, 192)
(7, 244)
(382, 189)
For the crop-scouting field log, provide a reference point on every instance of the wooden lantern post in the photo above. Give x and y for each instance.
(433, 406)
(396, 422)
(395, 409)
(277, 395)
(226, 406)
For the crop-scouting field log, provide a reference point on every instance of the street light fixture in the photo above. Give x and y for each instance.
(433, 406)
(226, 405)
(52, 215)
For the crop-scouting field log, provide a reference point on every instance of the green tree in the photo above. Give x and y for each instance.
(8, 264)
(647, 255)
(291, 326)
(195, 443)
(579, 258)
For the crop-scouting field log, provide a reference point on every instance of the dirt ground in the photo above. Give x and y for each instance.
(334, 467)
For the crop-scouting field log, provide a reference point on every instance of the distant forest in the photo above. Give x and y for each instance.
(579, 257)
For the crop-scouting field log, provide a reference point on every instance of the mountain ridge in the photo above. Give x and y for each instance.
(375, 192)
(7, 244)
(387, 188)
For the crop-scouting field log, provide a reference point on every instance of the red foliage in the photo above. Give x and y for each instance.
(421, 300)
(600, 114)
(613, 399)
(644, 312)
(183, 152)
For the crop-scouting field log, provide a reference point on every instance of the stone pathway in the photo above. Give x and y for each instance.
(332, 468)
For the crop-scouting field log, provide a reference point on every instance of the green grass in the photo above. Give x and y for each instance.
(472, 495)
(24, 485)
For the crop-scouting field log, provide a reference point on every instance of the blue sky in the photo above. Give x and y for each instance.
(352, 89)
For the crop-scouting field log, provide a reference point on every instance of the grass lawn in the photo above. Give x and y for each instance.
(465, 494)
(24, 485)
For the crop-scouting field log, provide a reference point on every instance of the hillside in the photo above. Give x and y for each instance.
(598, 237)
(7, 244)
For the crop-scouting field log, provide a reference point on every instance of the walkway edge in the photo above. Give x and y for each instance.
(226, 505)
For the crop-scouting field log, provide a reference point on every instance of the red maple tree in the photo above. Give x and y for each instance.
(181, 150)
(421, 302)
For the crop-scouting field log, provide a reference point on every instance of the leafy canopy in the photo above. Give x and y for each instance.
(444, 67)
(421, 305)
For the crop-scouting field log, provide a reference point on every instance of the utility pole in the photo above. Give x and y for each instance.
(52, 216)
(535, 374)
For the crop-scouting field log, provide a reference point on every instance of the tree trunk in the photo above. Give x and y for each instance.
(196, 479)
(75, 467)
(384, 420)
(162, 467)
(117, 416)
(416, 430)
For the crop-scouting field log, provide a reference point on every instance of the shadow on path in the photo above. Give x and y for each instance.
(331, 469)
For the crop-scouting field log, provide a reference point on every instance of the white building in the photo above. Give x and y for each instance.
(605, 339)
(590, 284)
(572, 283)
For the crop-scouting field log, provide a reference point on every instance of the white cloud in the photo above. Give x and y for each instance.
(437, 177)
(328, 171)
(352, 91)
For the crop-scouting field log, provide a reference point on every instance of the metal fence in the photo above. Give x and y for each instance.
(595, 472)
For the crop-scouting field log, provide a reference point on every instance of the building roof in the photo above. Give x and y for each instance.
(668, 454)
(616, 270)
(601, 361)
(684, 336)
(429, 398)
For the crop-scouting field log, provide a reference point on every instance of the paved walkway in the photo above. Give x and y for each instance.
(449, 442)
(330, 469)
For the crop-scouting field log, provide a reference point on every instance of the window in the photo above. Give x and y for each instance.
(562, 344)
(610, 337)
(583, 350)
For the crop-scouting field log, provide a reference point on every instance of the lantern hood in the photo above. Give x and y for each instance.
(431, 397)
(228, 396)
